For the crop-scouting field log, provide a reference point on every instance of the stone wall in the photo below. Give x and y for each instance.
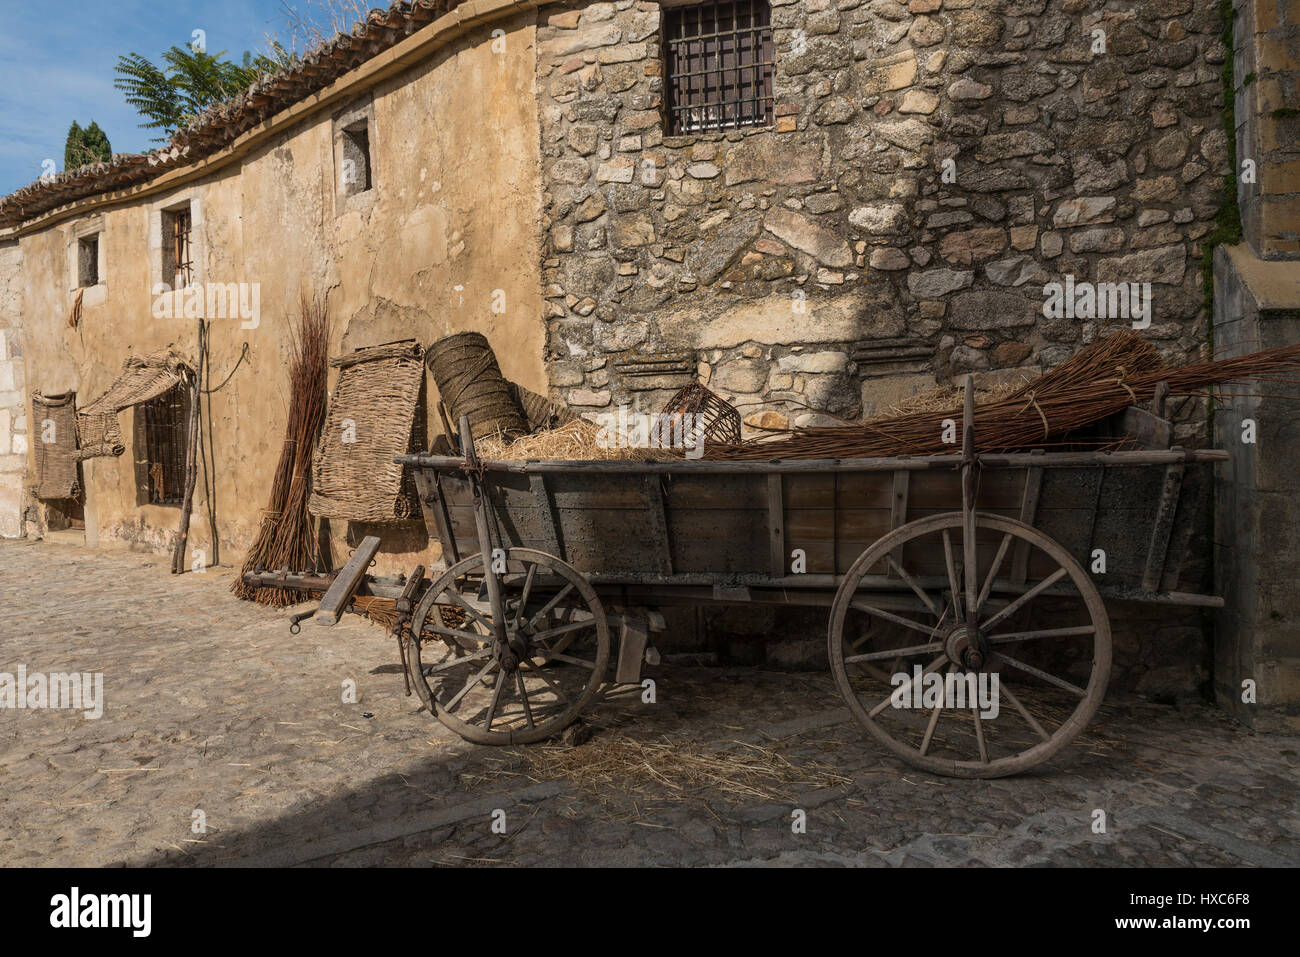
(1256, 562)
(823, 266)
(13, 405)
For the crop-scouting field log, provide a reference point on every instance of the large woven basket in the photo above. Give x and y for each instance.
(375, 412)
(55, 449)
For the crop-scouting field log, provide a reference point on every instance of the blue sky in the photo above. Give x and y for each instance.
(56, 66)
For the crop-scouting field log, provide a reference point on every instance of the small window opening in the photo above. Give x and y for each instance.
(178, 260)
(356, 159)
(88, 260)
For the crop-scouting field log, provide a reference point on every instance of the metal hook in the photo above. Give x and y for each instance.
(294, 626)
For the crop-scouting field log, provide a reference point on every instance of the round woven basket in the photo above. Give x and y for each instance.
(470, 383)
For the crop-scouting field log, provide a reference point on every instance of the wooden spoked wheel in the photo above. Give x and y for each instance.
(525, 681)
(1037, 663)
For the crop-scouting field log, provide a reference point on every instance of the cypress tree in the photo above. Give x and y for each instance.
(89, 145)
(72, 146)
(97, 144)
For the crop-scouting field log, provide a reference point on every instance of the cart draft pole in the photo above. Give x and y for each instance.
(490, 579)
(977, 653)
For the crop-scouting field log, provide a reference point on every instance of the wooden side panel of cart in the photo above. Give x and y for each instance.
(750, 525)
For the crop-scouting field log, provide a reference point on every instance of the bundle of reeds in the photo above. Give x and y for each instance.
(288, 536)
(1110, 375)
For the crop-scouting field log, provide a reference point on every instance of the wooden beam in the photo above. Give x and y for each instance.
(434, 508)
(548, 518)
(898, 511)
(659, 523)
(346, 582)
(1163, 528)
(776, 524)
(917, 463)
(1028, 512)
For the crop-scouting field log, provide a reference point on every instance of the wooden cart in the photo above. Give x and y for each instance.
(946, 577)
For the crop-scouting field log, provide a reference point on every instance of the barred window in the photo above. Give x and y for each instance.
(719, 65)
(178, 262)
(166, 425)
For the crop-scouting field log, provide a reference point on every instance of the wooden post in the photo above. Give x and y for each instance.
(1163, 527)
(191, 453)
(898, 512)
(968, 502)
(776, 524)
(1028, 514)
(490, 579)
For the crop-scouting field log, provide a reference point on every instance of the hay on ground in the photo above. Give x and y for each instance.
(739, 771)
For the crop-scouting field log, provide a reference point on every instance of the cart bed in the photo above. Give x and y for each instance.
(732, 524)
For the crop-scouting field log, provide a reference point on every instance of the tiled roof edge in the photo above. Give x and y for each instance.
(222, 123)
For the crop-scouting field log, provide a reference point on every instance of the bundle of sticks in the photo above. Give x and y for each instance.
(288, 536)
(383, 612)
(1110, 375)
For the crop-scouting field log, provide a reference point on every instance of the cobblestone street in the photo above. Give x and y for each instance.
(210, 705)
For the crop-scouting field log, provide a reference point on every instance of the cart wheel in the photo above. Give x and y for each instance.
(536, 683)
(1039, 702)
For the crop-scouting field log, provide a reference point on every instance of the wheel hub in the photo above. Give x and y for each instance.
(511, 652)
(963, 648)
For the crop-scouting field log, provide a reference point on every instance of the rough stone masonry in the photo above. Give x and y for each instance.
(822, 266)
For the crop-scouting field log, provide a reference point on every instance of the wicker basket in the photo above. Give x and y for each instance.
(716, 420)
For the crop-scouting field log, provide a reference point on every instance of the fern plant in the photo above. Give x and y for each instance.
(170, 96)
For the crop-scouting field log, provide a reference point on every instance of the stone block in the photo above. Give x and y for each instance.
(884, 74)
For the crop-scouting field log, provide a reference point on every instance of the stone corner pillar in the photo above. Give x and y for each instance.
(1266, 70)
(1257, 498)
(1257, 306)
(14, 429)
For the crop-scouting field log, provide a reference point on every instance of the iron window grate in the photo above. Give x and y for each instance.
(180, 223)
(719, 65)
(165, 426)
